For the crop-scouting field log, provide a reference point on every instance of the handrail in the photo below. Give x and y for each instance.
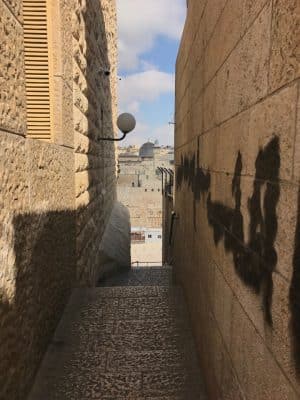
(174, 216)
(146, 262)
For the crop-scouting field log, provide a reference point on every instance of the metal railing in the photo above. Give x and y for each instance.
(167, 184)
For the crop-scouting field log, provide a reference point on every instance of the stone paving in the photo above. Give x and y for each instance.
(129, 340)
(141, 276)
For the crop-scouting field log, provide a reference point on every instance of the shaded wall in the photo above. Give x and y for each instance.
(236, 243)
(37, 253)
(41, 250)
(95, 104)
(169, 222)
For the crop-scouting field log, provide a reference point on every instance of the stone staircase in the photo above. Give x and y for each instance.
(128, 339)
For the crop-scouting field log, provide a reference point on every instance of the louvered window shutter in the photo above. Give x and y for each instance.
(36, 45)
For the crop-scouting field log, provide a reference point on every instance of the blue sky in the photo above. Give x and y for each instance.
(149, 35)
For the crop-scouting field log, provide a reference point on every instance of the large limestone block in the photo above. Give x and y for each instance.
(212, 12)
(115, 244)
(12, 94)
(252, 9)
(258, 372)
(251, 130)
(16, 7)
(226, 35)
(243, 79)
(285, 53)
(275, 116)
(210, 105)
(14, 199)
(55, 164)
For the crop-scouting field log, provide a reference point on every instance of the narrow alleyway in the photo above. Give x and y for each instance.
(129, 339)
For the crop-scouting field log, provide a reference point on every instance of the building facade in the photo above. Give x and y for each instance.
(236, 236)
(140, 182)
(140, 190)
(57, 177)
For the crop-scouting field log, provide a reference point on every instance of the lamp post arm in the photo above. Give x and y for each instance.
(113, 139)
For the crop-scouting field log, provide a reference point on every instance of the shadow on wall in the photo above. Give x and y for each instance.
(92, 218)
(45, 271)
(295, 296)
(196, 178)
(54, 250)
(255, 260)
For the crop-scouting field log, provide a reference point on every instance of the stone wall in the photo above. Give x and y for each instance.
(37, 253)
(94, 117)
(44, 220)
(145, 205)
(147, 254)
(145, 172)
(236, 246)
(37, 219)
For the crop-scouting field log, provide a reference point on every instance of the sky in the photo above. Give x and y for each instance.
(149, 35)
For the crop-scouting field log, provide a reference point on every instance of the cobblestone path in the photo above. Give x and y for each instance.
(128, 339)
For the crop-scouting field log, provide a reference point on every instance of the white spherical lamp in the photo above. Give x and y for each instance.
(126, 123)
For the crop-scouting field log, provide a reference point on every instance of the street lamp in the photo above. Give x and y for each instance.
(126, 123)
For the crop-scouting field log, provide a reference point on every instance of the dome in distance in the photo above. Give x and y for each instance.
(146, 151)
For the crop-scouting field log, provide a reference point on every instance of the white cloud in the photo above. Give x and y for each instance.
(132, 107)
(141, 22)
(144, 86)
(147, 66)
(164, 134)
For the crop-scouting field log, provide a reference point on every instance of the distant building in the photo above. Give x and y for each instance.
(145, 235)
(139, 169)
(139, 188)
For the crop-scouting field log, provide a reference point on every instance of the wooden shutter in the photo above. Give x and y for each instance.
(36, 45)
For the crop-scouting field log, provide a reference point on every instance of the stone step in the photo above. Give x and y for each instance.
(141, 276)
(122, 343)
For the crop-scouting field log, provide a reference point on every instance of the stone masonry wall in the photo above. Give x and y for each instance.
(37, 218)
(54, 202)
(145, 207)
(236, 244)
(94, 42)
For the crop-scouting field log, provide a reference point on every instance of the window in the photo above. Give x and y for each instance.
(159, 236)
(138, 237)
(149, 236)
(132, 184)
(145, 190)
(38, 84)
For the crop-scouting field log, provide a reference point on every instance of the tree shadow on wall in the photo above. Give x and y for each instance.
(254, 260)
(58, 250)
